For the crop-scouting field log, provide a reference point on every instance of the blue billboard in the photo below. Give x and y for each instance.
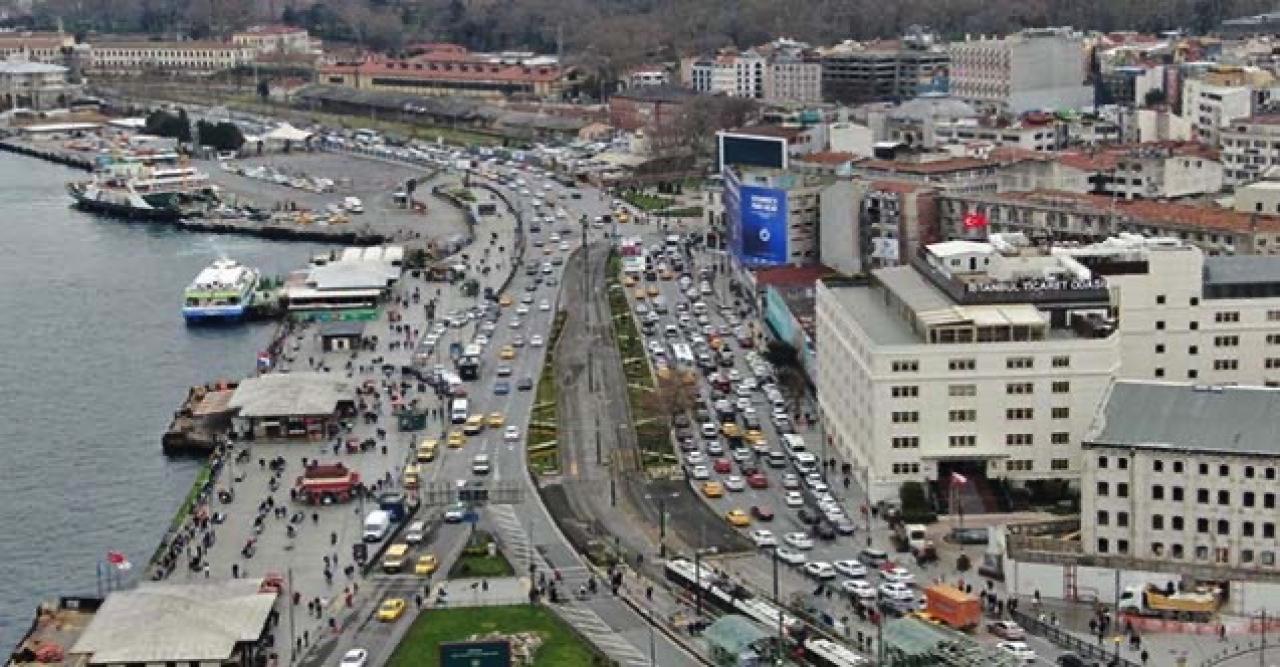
(755, 222)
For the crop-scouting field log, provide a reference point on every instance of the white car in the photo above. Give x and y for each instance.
(701, 472)
(851, 568)
(764, 538)
(695, 458)
(544, 305)
(734, 483)
(516, 323)
(790, 481)
(789, 556)
(536, 341)
(819, 570)
(512, 434)
(794, 499)
(1019, 650)
(895, 591)
(522, 309)
(798, 540)
(356, 657)
(564, 245)
(858, 588)
(897, 575)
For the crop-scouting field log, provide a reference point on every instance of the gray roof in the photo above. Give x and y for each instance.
(443, 106)
(928, 106)
(1232, 419)
(349, 275)
(290, 394)
(733, 634)
(879, 323)
(161, 622)
(1241, 269)
(29, 68)
(342, 328)
(657, 94)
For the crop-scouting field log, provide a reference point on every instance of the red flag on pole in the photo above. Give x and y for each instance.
(117, 559)
(974, 220)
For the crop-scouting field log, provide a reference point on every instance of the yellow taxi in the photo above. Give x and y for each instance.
(427, 451)
(496, 419)
(653, 290)
(712, 489)
(474, 425)
(628, 281)
(506, 300)
(456, 439)
(730, 430)
(412, 473)
(639, 294)
(737, 517)
(391, 609)
(507, 352)
(754, 437)
(426, 565)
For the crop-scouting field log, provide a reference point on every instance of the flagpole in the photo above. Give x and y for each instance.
(99, 573)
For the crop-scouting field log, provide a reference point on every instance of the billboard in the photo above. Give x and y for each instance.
(756, 222)
(483, 653)
(752, 151)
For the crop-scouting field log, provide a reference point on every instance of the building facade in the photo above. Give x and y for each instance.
(647, 107)
(194, 57)
(1212, 108)
(854, 73)
(1033, 70)
(50, 48)
(449, 69)
(34, 85)
(1183, 474)
(1250, 146)
(947, 365)
(784, 205)
(792, 78)
(274, 39)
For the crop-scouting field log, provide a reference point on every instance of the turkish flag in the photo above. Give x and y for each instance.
(974, 220)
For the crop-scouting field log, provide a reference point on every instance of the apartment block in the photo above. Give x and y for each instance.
(1032, 70)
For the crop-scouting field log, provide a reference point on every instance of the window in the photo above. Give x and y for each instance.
(906, 468)
(906, 366)
(910, 417)
(1193, 350)
(1226, 341)
(1246, 529)
(1226, 316)
(1019, 388)
(1159, 299)
(1104, 518)
(1159, 325)
(1018, 439)
(1269, 501)
(1202, 525)
(905, 391)
(1248, 472)
(1061, 362)
(1177, 494)
(1193, 374)
(959, 390)
(1019, 413)
(1202, 552)
(1268, 531)
(1122, 546)
(1267, 558)
(961, 364)
(1249, 499)
(1177, 467)
(1194, 326)
(1202, 496)
(1062, 387)
(1019, 465)
(1157, 522)
(906, 442)
(1157, 492)
(962, 441)
(1160, 348)
(1122, 519)
(1226, 364)
(1178, 523)
(1224, 471)
(1272, 363)
(1122, 490)
(1224, 527)
(1273, 315)
(1157, 466)
(1273, 339)
(1060, 438)
(1270, 473)
(1019, 363)
(1104, 489)
(1103, 462)
(1103, 545)
(1122, 463)
(1060, 464)
(1224, 497)
(1246, 555)
(963, 415)
(1061, 413)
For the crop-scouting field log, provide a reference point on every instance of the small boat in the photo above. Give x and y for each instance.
(221, 292)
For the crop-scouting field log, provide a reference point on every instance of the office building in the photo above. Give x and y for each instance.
(1212, 108)
(1250, 146)
(34, 85)
(855, 73)
(1033, 70)
(771, 216)
(191, 57)
(275, 39)
(450, 69)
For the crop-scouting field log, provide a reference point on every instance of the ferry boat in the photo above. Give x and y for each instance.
(222, 292)
(142, 187)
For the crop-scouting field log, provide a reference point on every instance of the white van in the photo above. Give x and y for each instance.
(376, 525)
(480, 464)
(793, 443)
(415, 532)
(459, 412)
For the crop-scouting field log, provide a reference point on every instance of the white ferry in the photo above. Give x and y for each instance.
(222, 292)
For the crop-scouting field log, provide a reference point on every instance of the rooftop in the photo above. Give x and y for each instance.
(1223, 270)
(437, 66)
(669, 94)
(1155, 213)
(944, 166)
(29, 68)
(290, 394)
(780, 131)
(1158, 414)
(826, 157)
(342, 328)
(158, 623)
(878, 323)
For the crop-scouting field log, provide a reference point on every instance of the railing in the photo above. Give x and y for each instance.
(1069, 641)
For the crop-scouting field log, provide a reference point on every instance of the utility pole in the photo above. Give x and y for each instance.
(293, 632)
(599, 459)
(1262, 651)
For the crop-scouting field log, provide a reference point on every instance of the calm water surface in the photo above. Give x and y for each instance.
(94, 357)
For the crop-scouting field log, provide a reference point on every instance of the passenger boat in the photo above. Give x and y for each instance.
(222, 292)
(142, 187)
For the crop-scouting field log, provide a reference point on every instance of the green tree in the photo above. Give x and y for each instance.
(221, 136)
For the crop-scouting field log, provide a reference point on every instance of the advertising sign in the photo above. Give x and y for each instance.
(756, 221)
(476, 654)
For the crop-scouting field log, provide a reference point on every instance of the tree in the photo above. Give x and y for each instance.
(672, 397)
(164, 124)
(220, 136)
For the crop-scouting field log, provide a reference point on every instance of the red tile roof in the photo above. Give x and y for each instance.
(900, 187)
(792, 276)
(826, 157)
(449, 69)
(1156, 213)
(935, 167)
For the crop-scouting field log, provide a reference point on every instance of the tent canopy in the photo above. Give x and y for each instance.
(287, 132)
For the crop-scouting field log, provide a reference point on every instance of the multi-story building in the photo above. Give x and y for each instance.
(449, 69)
(1031, 134)
(1183, 476)
(41, 47)
(275, 39)
(647, 75)
(34, 85)
(1212, 108)
(943, 171)
(782, 71)
(1068, 216)
(192, 57)
(647, 107)
(875, 224)
(771, 215)
(963, 361)
(903, 69)
(1250, 147)
(793, 78)
(1033, 70)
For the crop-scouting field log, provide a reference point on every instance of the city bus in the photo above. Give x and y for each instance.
(683, 355)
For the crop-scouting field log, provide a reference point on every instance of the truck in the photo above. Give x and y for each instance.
(326, 483)
(952, 606)
(910, 537)
(376, 525)
(1151, 600)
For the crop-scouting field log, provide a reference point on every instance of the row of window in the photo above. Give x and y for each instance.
(968, 440)
(1220, 555)
(971, 415)
(967, 364)
(1178, 468)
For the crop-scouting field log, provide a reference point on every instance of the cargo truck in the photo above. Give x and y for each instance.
(952, 606)
(1151, 600)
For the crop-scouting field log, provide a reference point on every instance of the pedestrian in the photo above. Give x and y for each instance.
(333, 538)
(648, 593)
(235, 570)
(1145, 656)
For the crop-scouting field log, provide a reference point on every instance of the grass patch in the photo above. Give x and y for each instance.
(542, 448)
(475, 560)
(560, 646)
(683, 212)
(652, 435)
(647, 202)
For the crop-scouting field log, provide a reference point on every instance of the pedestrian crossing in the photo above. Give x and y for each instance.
(513, 537)
(599, 633)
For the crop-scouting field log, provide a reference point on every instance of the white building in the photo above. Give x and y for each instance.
(966, 360)
(33, 85)
(1212, 108)
(793, 79)
(275, 39)
(1250, 146)
(1027, 136)
(193, 57)
(1183, 474)
(649, 75)
(1032, 70)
